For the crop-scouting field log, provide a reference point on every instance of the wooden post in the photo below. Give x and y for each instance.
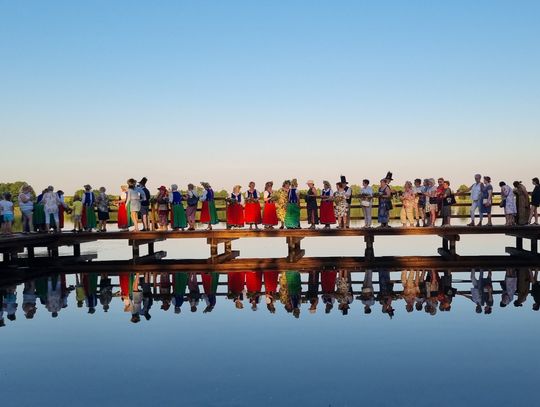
(369, 252)
(135, 250)
(77, 249)
(519, 243)
(151, 248)
(534, 246)
(295, 251)
(30, 251)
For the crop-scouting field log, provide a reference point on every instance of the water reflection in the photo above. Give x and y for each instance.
(294, 293)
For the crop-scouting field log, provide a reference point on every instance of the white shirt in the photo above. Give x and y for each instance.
(50, 201)
(367, 191)
(476, 191)
(6, 207)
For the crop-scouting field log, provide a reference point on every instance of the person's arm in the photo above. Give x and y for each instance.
(203, 196)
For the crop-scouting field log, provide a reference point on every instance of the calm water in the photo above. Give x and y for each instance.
(71, 340)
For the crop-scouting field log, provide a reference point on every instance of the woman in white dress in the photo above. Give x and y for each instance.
(508, 203)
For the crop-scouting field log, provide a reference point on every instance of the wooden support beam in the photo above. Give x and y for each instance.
(295, 251)
(514, 251)
(369, 252)
(30, 251)
(448, 249)
(149, 258)
(76, 249)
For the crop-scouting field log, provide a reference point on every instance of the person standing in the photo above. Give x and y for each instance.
(134, 197)
(311, 205)
(407, 209)
(145, 203)
(61, 208)
(253, 207)
(366, 201)
(208, 211)
(191, 209)
(6, 210)
(487, 199)
(269, 219)
(162, 200)
(89, 216)
(102, 201)
(348, 198)
(433, 201)
(281, 203)
(419, 203)
(523, 203)
(476, 191)
(385, 203)
(448, 201)
(26, 205)
(178, 213)
(76, 214)
(235, 209)
(50, 205)
(535, 201)
(508, 202)
(122, 221)
(328, 216)
(340, 205)
(292, 216)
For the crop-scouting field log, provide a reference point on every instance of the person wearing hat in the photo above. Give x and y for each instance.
(50, 204)
(162, 200)
(348, 198)
(253, 207)
(311, 205)
(328, 216)
(89, 215)
(341, 207)
(292, 216)
(235, 209)
(192, 203)
(178, 213)
(385, 203)
(208, 211)
(535, 201)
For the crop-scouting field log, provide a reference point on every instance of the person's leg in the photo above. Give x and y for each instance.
(135, 220)
(403, 217)
(473, 210)
(410, 215)
(57, 221)
(47, 220)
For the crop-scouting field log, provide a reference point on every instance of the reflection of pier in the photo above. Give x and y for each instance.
(520, 255)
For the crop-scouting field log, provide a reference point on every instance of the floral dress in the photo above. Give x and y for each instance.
(340, 204)
(281, 204)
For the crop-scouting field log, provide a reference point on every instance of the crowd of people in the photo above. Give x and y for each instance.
(423, 202)
(428, 291)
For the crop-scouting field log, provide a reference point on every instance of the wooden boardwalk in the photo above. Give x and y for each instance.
(19, 250)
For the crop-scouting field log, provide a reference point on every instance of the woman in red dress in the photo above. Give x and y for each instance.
(270, 288)
(327, 215)
(235, 283)
(235, 209)
(122, 209)
(254, 287)
(270, 218)
(328, 286)
(253, 207)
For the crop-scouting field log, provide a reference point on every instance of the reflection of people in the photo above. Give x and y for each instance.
(29, 299)
(509, 287)
(254, 287)
(270, 289)
(105, 292)
(294, 287)
(194, 294)
(476, 291)
(386, 293)
(313, 291)
(180, 281)
(367, 295)
(235, 285)
(328, 286)
(210, 283)
(535, 291)
(411, 290)
(524, 280)
(344, 291)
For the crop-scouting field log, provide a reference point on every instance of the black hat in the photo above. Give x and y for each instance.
(343, 179)
(389, 176)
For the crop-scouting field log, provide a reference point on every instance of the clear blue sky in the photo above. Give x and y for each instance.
(226, 91)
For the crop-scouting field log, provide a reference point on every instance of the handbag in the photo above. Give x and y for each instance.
(365, 203)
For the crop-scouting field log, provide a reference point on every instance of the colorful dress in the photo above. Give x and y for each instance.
(292, 216)
(509, 200)
(270, 217)
(270, 281)
(253, 208)
(523, 205)
(122, 212)
(210, 282)
(39, 213)
(341, 207)
(180, 283)
(281, 204)
(208, 211)
(89, 215)
(328, 216)
(235, 211)
(384, 206)
(178, 213)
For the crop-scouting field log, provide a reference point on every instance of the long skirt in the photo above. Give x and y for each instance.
(253, 213)
(292, 217)
(61, 211)
(235, 282)
(210, 282)
(209, 213)
(328, 217)
(235, 215)
(178, 216)
(191, 212)
(328, 281)
(313, 214)
(254, 281)
(39, 216)
(383, 213)
(163, 217)
(270, 281)
(269, 214)
(122, 216)
(89, 217)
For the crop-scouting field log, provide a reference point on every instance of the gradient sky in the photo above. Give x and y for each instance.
(228, 91)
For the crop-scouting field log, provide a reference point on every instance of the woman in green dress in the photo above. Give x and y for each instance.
(39, 213)
(292, 217)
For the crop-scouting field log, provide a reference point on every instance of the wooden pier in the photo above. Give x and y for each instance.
(19, 250)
